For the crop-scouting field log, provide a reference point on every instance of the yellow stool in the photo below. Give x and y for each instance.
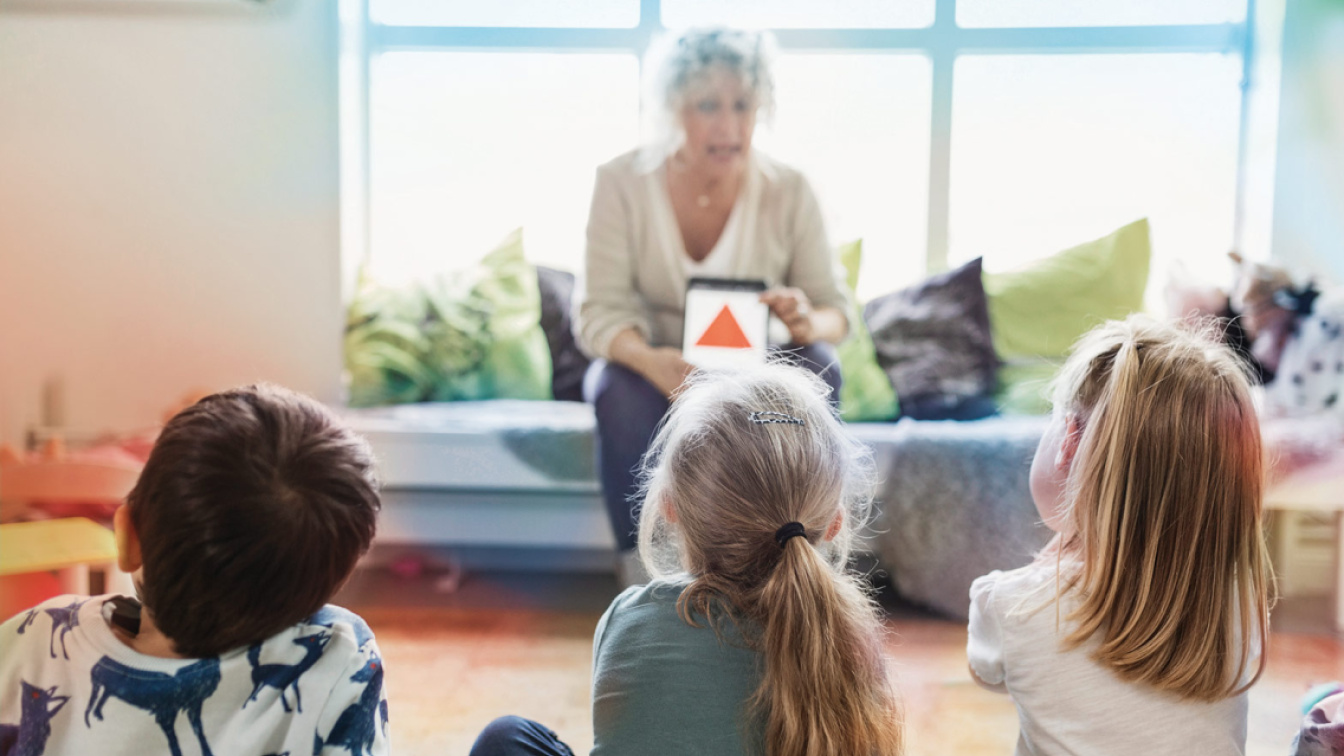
(70, 547)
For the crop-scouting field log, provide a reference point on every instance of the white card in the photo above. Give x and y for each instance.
(724, 328)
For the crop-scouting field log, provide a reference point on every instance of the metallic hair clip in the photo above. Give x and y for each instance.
(770, 418)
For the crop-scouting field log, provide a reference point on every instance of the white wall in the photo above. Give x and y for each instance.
(1309, 196)
(168, 204)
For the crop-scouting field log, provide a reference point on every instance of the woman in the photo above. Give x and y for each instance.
(698, 201)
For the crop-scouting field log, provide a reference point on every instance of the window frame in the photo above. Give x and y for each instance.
(941, 43)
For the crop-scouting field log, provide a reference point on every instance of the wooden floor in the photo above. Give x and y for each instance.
(522, 644)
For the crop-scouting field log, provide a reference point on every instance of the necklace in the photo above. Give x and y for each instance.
(679, 164)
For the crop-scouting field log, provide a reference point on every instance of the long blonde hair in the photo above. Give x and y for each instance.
(720, 481)
(1163, 500)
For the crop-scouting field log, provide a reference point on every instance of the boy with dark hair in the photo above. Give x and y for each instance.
(252, 510)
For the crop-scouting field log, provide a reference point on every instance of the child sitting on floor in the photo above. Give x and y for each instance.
(1140, 627)
(753, 637)
(250, 513)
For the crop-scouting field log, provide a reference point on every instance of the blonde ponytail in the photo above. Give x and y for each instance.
(719, 485)
(1164, 496)
(825, 688)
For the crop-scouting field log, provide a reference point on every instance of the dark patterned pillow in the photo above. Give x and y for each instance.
(568, 364)
(933, 340)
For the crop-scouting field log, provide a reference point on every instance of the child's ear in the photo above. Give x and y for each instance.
(669, 511)
(128, 541)
(833, 529)
(1068, 447)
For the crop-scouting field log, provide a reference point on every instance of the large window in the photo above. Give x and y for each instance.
(936, 130)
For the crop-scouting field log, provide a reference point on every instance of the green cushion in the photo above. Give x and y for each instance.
(466, 334)
(1038, 312)
(1024, 389)
(866, 393)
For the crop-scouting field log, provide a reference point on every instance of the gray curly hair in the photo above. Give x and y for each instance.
(675, 62)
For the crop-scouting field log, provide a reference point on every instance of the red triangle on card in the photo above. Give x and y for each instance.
(724, 332)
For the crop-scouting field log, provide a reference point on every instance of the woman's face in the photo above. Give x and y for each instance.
(718, 116)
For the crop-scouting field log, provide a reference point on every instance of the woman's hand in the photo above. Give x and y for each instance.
(666, 369)
(663, 367)
(792, 306)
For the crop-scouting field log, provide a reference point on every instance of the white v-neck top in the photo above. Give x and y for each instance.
(720, 261)
(636, 263)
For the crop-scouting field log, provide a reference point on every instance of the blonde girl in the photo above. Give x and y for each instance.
(752, 638)
(1142, 625)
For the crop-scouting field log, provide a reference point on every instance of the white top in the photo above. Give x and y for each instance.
(70, 687)
(721, 260)
(1069, 705)
(635, 275)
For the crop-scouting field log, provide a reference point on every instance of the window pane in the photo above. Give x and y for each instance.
(790, 14)
(1077, 13)
(858, 126)
(1049, 151)
(465, 147)
(529, 13)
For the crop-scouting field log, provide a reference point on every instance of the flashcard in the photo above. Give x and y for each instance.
(726, 323)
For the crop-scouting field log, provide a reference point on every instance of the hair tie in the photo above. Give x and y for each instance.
(789, 530)
(769, 418)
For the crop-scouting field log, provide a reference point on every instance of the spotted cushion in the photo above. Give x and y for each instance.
(1310, 379)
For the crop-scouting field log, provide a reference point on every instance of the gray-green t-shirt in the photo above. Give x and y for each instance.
(662, 686)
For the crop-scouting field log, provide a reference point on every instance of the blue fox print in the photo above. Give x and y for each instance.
(354, 729)
(282, 676)
(159, 693)
(32, 615)
(329, 615)
(29, 736)
(64, 620)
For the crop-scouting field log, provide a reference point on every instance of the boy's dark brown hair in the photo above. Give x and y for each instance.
(252, 510)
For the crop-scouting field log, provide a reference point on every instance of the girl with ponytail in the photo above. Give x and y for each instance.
(752, 638)
(1142, 624)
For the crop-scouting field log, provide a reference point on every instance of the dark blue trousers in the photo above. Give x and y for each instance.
(515, 736)
(628, 410)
